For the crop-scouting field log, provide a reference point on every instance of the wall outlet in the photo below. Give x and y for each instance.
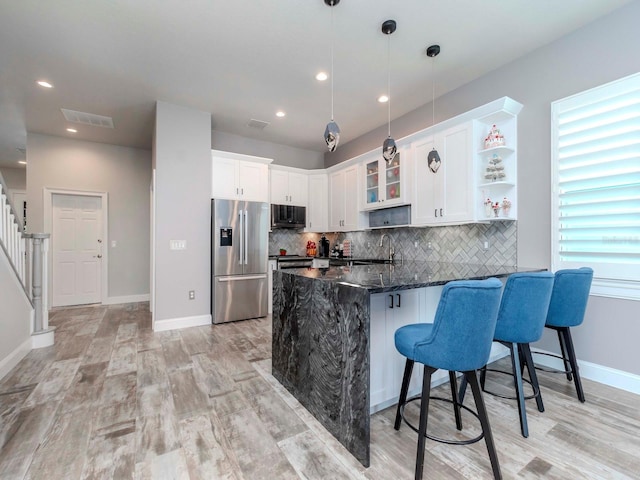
(368, 244)
(429, 247)
(192, 294)
(485, 245)
(415, 244)
(114, 243)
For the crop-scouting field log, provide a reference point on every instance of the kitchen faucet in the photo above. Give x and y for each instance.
(391, 251)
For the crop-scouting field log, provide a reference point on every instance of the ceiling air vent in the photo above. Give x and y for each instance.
(87, 118)
(259, 124)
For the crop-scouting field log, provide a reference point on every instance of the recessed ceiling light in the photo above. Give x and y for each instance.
(383, 99)
(280, 114)
(22, 162)
(322, 76)
(72, 130)
(44, 84)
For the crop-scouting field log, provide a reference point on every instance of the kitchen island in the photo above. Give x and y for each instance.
(333, 327)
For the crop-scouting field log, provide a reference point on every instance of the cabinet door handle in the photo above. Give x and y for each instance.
(391, 302)
(398, 300)
(242, 191)
(435, 213)
(440, 212)
(237, 191)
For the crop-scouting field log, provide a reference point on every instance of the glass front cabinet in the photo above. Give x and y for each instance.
(385, 185)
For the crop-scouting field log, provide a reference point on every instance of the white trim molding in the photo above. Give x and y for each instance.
(183, 322)
(10, 361)
(592, 371)
(126, 299)
(622, 289)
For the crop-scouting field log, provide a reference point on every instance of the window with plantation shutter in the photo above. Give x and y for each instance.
(596, 185)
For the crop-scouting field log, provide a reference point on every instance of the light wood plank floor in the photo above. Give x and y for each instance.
(114, 400)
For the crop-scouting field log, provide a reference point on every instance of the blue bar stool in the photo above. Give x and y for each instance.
(521, 319)
(568, 305)
(459, 339)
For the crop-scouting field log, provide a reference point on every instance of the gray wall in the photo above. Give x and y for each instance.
(606, 50)
(14, 313)
(182, 156)
(281, 154)
(124, 173)
(15, 178)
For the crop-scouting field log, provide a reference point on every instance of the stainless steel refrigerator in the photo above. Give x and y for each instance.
(239, 243)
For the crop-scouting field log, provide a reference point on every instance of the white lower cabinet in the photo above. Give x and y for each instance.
(389, 312)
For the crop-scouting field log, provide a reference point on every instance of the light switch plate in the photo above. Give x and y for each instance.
(177, 244)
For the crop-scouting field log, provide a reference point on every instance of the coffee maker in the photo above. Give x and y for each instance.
(324, 247)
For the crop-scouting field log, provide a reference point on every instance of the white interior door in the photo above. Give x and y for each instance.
(76, 239)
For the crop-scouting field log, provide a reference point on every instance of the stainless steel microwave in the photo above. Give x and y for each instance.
(288, 216)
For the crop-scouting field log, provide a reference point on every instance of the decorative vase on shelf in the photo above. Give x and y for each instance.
(506, 207)
(496, 210)
(488, 210)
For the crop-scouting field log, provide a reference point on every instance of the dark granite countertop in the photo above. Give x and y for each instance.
(380, 278)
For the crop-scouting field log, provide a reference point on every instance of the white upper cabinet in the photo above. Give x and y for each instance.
(239, 177)
(318, 203)
(288, 187)
(444, 189)
(344, 212)
(385, 183)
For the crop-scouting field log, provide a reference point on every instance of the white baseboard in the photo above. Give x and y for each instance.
(598, 373)
(126, 299)
(184, 322)
(11, 360)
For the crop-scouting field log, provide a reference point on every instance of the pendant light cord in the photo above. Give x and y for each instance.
(389, 84)
(332, 63)
(433, 91)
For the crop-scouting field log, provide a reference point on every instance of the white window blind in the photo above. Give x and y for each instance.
(596, 183)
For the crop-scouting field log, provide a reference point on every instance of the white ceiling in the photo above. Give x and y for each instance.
(244, 59)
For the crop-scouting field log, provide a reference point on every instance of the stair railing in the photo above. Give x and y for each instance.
(28, 256)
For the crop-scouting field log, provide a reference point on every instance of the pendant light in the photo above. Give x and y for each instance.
(433, 159)
(332, 131)
(389, 149)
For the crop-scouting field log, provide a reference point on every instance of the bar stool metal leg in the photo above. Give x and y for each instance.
(408, 369)
(424, 413)
(517, 380)
(574, 362)
(528, 360)
(565, 356)
(456, 402)
(484, 421)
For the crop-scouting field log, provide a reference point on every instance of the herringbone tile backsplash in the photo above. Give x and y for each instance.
(457, 244)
